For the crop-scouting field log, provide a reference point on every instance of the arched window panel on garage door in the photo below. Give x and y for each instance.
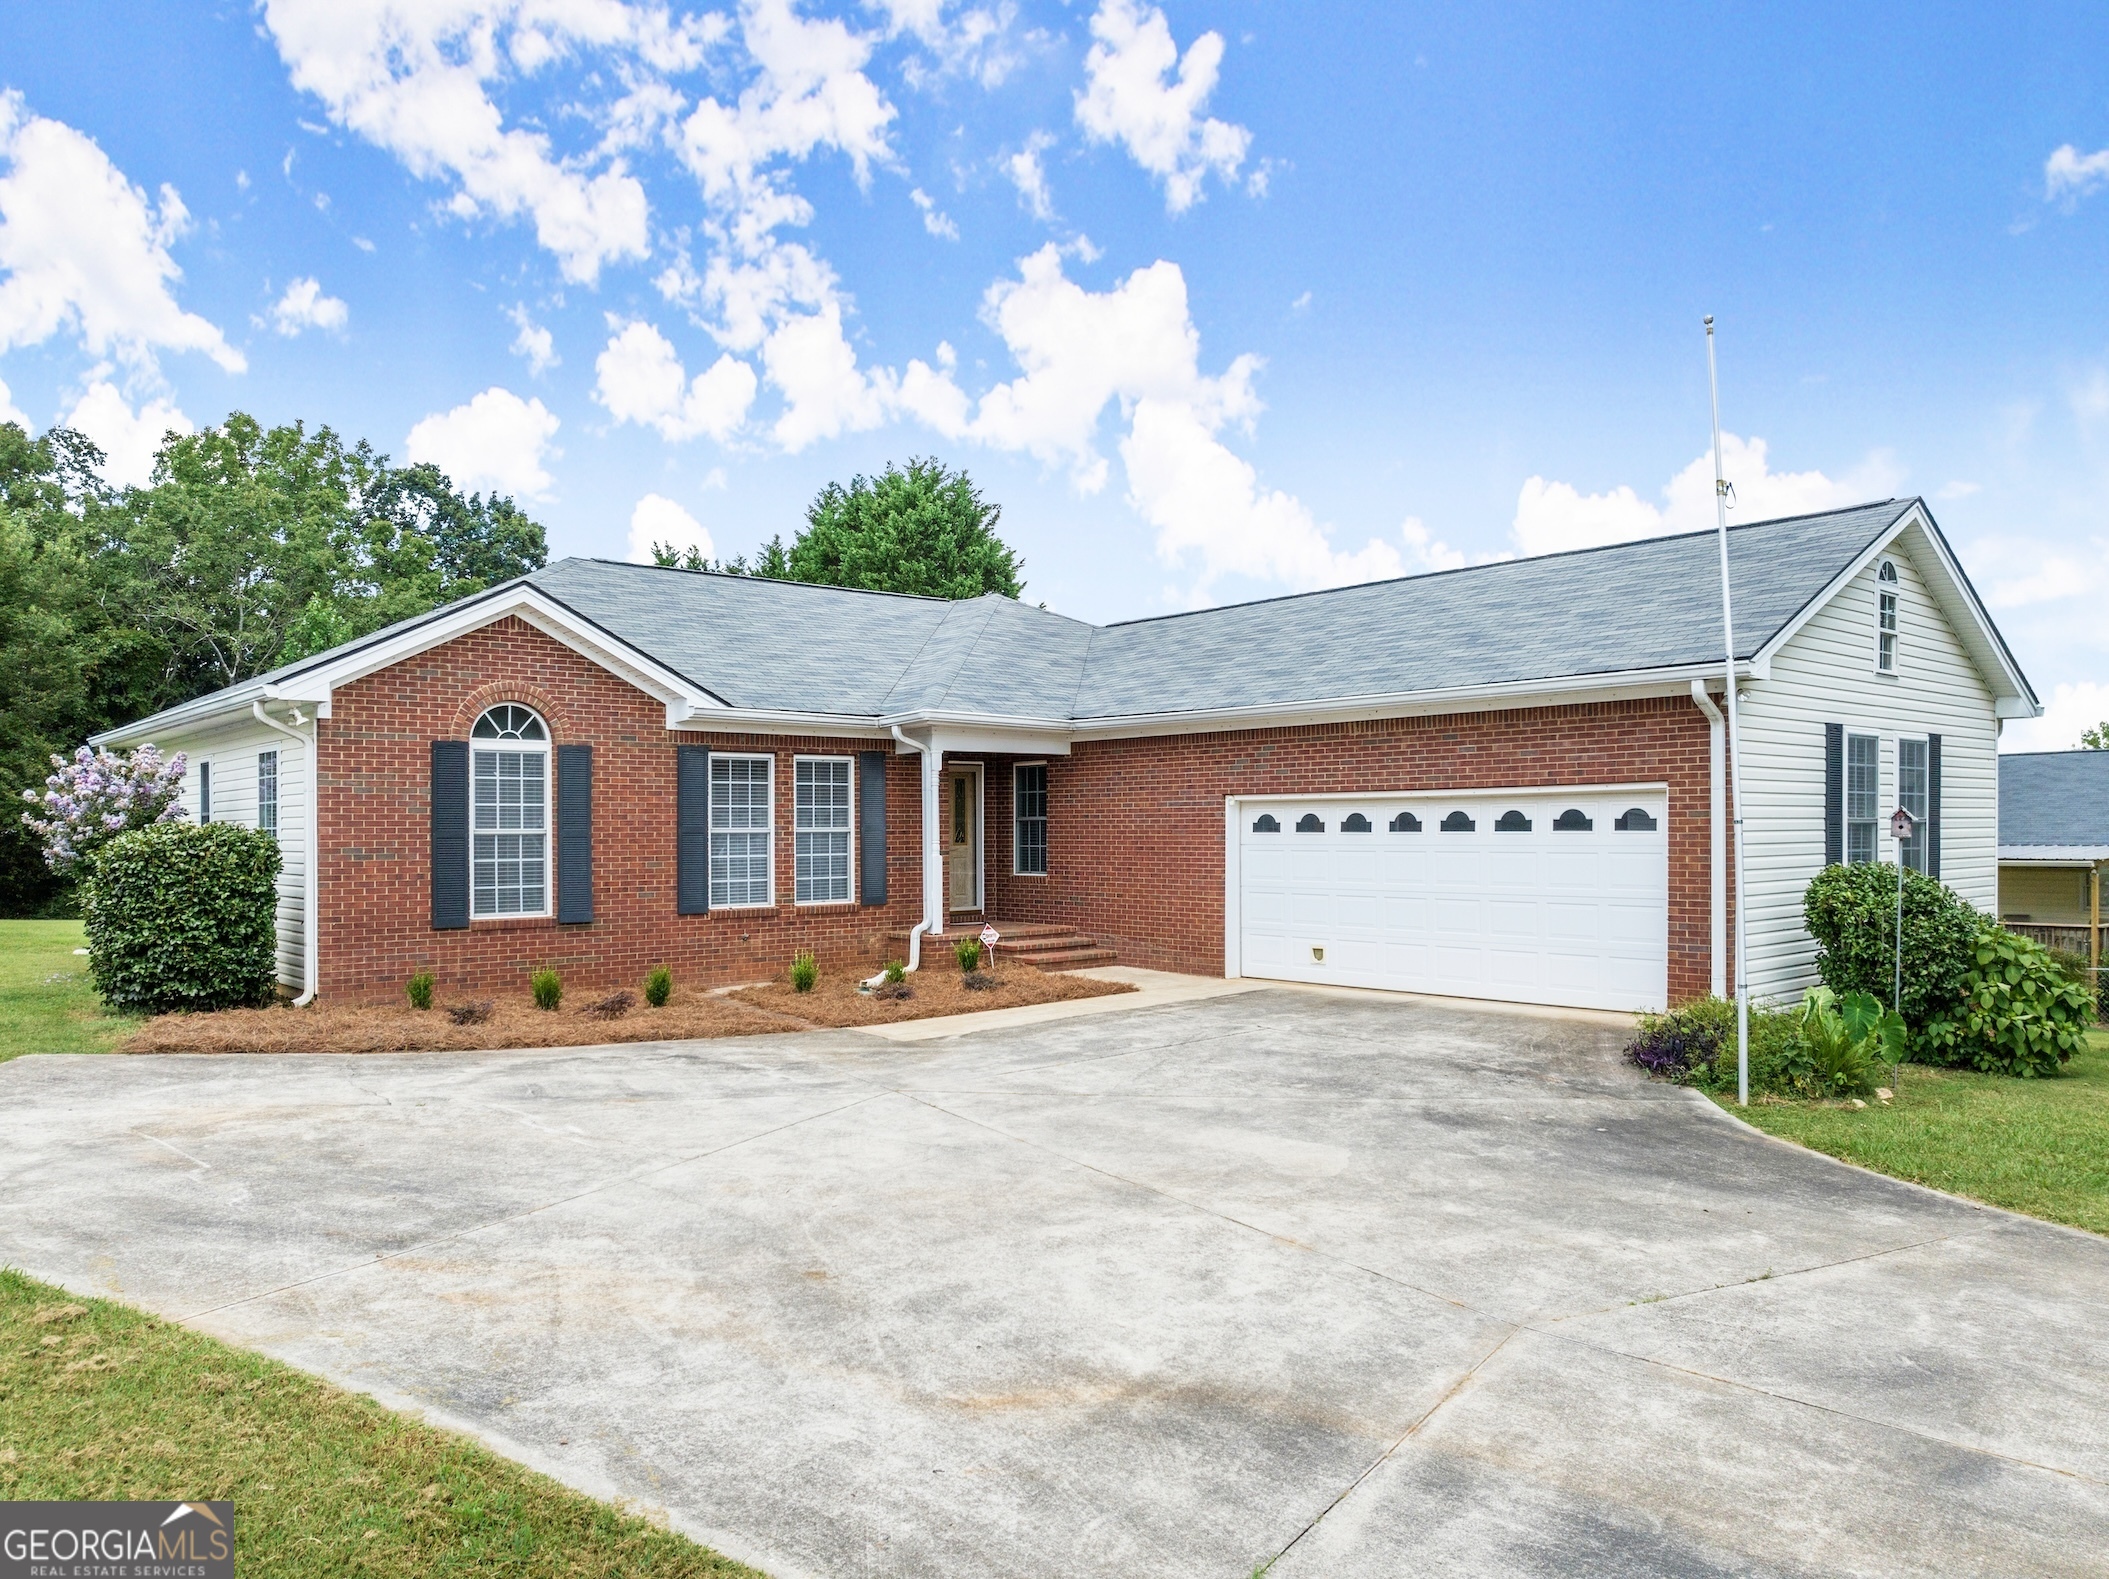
(1265, 823)
(1572, 820)
(1459, 822)
(1405, 822)
(1310, 822)
(1354, 822)
(1512, 821)
(1636, 820)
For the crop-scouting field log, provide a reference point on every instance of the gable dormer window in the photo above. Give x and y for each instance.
(1886, 617)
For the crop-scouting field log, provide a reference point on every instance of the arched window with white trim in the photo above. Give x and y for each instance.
(1886, 609)
(509, 813)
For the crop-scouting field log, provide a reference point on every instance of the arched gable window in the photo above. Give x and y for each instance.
(1265, 823)
(509, 813)
(1354, 822)
(1886, 631)
(1512, 822)
(1458, 822)
(1310, 822)
(1572, 820)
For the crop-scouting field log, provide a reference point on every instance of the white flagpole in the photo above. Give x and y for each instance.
(1735, 739)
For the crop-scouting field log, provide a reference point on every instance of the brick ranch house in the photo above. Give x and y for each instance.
(1499, 782)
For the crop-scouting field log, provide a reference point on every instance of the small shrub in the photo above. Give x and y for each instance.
(1696, 1046)
(968, 952)
(896, 973)
(548, 988)
(2019, 1015)
(471, 1013)
(612, 1007)
(419, 990)
(659, 986)
(804, 971)
(1851, 911)
(184, 917)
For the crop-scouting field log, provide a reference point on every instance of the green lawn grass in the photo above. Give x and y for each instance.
(47, 1003)
(2034, 1146)
(100, 1402)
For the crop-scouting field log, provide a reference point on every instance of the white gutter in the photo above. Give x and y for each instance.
(1717, 937)
(931, 858)
(311, 873)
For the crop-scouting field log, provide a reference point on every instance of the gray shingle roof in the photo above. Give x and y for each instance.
(783, 646)
(2054, 798)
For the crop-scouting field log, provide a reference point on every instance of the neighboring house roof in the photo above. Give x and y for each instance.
(1642, 611)
(2054, 806)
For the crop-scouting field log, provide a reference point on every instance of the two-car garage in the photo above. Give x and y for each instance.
(1556, 896)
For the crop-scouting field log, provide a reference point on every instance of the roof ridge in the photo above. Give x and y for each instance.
(774, 581)
(1496, 564)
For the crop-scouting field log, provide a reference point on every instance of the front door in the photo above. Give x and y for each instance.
(962, 813)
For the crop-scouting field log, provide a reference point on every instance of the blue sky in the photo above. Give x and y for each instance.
(1217, 300)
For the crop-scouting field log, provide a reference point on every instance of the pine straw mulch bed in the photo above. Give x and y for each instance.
(514, 1021)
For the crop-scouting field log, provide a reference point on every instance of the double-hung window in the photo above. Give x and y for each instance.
(1863, 796)
(1029, 816)
(1912, 796)
(509, 813)
(739, 832)
(267, 792)
(1886, 618)
(820, 830)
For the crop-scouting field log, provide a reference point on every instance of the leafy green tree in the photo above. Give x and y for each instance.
(922, 529)
(2097, 738)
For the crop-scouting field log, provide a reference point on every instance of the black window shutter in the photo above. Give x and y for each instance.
(871, 827)
(450, 834)
(574, 833)
(1833, 794)
(1933, 806)
(692, 831)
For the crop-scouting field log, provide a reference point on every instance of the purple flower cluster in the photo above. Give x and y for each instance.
(97, 795)
(1674, 1045)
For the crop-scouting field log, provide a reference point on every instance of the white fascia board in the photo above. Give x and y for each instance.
(719, 719)
(2013, 697)
(2060, 855)
(1013, 741)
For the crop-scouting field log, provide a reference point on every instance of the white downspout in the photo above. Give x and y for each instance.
(311, 875)
(931, 856)
(1717, 939)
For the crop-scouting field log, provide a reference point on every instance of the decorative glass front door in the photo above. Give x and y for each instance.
(962, 814)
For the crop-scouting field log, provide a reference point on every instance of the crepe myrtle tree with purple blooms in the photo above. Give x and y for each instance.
(97, 795)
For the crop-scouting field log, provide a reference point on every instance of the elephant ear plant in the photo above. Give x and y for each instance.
(1845, 1041)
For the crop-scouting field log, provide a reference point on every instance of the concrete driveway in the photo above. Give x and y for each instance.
(1371, 1288)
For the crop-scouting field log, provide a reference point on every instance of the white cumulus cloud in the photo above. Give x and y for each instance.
(532, 340)
(659, 520)
(1029, 176)
(10, 412)
(82, 249)
(418, 80)
(1141, 93)
(639, 378)
(1554, 516)
(2070, 174)
(497, 442)
(304, 306)
(935, 219)
(128, 439)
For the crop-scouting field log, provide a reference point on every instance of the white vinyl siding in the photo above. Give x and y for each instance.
(236, 755)
(820, 830)
(1823, 675)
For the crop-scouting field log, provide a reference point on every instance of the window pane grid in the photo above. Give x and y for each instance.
(1863, 797)
(509, 859)
(739, 831)
(267, 791)
(1029, 797)
(821, 831)
(1912, 796)
(1886, 628)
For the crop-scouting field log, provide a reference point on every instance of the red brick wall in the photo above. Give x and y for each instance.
(1135, 827)
(376, 810)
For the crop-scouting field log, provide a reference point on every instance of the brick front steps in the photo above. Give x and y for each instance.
(1044, 944)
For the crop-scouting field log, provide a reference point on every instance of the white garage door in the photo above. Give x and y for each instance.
(1557, 897)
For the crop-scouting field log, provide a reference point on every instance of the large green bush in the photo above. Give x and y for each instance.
(1851, 911)
(2018, 1013)
(184, 917)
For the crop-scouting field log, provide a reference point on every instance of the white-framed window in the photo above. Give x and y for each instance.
(204, 792)
(1913, 787)
(1029, 819)
(821, 830)
(741, 846)
(509, 813)
(1886, 633)
(267, 792)
(1863, 797)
